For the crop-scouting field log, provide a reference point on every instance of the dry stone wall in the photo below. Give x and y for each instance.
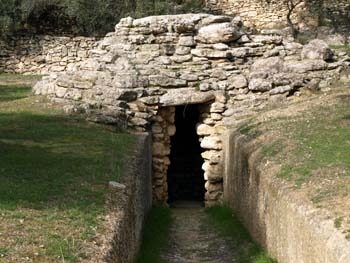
(264, 13)
(43, 54)
(138, 73)
(272, 14)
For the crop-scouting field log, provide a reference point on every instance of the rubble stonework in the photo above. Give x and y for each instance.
(43, 54)
(148, 66)
(264, 14)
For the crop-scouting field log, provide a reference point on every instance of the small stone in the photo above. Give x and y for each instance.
(116, 187)
(221, 46)
(181, 59)
(281, 90)
(171, 130)
(213, 178)
(213, 187)
(204, 130)
(204, 86)
(187, 41)
(182, 50)
(216, 116)
(260, 85)
(60, 92)
(217, 107)
(159, 149)
(212, 156)
(211, 143)
(237, 82)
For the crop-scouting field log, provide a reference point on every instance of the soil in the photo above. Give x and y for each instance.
(194, 240)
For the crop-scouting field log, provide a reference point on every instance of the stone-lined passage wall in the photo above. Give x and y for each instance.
(43, 54)
(129, 204)
(153, 63)
(277, 216)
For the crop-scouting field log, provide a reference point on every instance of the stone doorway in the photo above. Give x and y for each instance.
(185, 176)
(187, 127)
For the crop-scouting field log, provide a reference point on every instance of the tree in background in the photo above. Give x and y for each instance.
(80, 17)
(10, 16)
(292, 5)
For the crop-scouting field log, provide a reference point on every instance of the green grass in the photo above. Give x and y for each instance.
(231, 228)
(272, 149)
(344, 48)
(318, 144)
(8, 92)
(155, 235)
(54, 170)
(338, 222)
(3, 250)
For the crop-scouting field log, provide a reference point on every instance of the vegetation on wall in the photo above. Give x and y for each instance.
(83, 17)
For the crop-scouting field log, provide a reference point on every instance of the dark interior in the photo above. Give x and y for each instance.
(185, 174)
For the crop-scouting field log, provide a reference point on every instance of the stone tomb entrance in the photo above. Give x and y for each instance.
(187, 150)
(185, 176)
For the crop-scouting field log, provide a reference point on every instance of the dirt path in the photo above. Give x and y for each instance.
(193, 240)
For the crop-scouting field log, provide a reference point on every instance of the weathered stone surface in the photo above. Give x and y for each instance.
(165, 81)
(213, 157)
(221, 46)
(218, 33)
(211, 143)
(212, 168)
(159, 149)
(304, 66)
(210, 53)
(213, 178)
(181, 59)
(187, 41)
(237, 82)
(281, 89)
(203, 130)
(317, 49)
(171, 130)
(215, 19)
(217, 107)
(212, 187)
(116, 187)
(269, 65)
(185, 96)
(258, 84)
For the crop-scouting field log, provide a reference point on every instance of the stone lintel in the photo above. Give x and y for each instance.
(183, 96)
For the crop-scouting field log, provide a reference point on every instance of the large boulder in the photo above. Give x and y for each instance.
(218, 33)
(317, 49)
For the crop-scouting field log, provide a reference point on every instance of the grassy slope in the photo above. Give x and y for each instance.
(53, 173)
(311, 143)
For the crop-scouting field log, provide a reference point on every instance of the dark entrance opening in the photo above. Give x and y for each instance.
(185, 174)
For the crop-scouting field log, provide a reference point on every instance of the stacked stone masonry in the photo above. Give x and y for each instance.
(267, 14)
(139, 73)
(43, 54)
